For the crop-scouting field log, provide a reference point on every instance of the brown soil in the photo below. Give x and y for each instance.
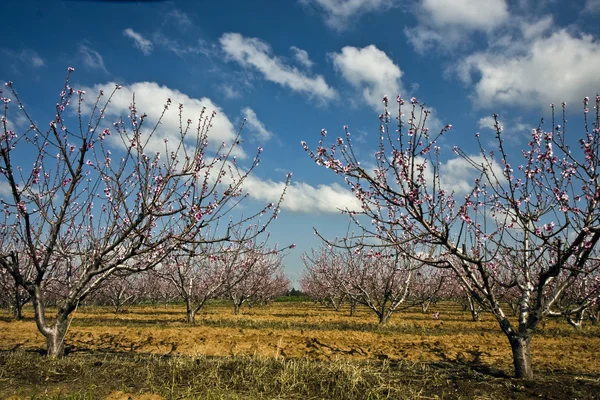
(293, 330)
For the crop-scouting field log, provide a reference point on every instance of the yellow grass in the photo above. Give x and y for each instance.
(307, 330)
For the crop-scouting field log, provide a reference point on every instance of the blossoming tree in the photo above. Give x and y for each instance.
(379, 279)
(203, 271)
(541, 206)
(89, 199)
(256, 277)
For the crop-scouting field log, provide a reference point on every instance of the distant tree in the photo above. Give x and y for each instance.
(203, 271)
(296, 293)
(12, 295)
(256, 277)
(377, 279)
(321, 280)
(157, 289)
(428, 286)
(120, 290)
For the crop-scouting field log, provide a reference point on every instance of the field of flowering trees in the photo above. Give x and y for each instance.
(115, 240)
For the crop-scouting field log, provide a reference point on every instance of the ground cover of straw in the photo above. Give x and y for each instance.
(291, 350)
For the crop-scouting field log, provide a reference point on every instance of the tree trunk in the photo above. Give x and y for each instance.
(236, 308)
(55, 333)
(577, 322)
(117, 307)
(18, 311)
(190, 312)
(474, 308)
(521, 349)
(55, 339)
(475, 314)
(336, 305)
(595, 317)
(383, 318)
(352, 307)
(18, 306)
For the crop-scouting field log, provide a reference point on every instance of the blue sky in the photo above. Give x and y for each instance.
(294, 67)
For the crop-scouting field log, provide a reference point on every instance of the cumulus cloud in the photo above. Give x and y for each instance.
(532, 30)
(369, 70)
(256, 127)
(545, 69)
(458, 175)
(17, 121)
(5, 190)
(483, 15)
(252, 52)
(302, 57)
(302, 197)
(140, 42)
(487, 122)
(446, 23)
(338, 13)
(150, 99)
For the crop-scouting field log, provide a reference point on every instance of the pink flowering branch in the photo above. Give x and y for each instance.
(539, 209)
(98, 199)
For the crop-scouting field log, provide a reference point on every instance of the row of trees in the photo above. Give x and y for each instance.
(385, 282)
(197, 282)
(86, 199)
(527, 227)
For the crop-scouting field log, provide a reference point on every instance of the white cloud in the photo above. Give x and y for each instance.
(482, 15)
(181, 19)
(550, 69)
(592, 6)
(487, 122)
(423, 38)
(32, 58)
(302, 57)
(150, 99)
(257, 128)
(140, 42)
(17, 121)
(91, 58)
(252, 52)
(230, 92)
(458, 175)
(538, 28)
(302, 197)
(28, 57)
(447, 23)
(183, 50)
(5, 190)
(371, 71)
(434, 123)
(338, 13)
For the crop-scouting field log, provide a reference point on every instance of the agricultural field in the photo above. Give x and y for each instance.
(291, 350)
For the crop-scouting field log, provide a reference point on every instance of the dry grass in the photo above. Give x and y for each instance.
(290, 350)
